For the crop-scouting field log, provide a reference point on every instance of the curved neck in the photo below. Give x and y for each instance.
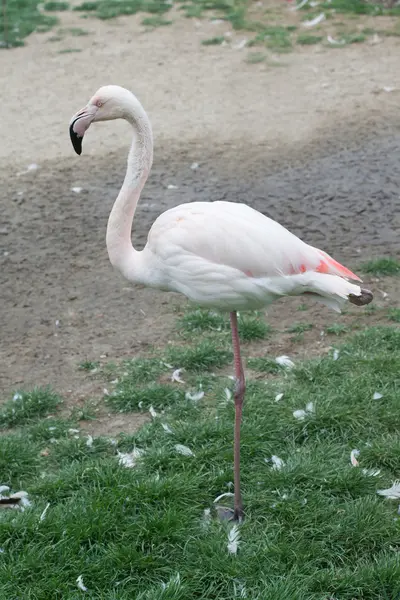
(119, 245)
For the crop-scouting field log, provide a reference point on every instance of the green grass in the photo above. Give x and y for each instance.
(336, 329)
(394, 315)
(53, 6)
(203, 357)
(250, 325)
(300, 327)
(316, 529)
(156, 21)
(69, 50)
(276, 38)
(214, 41)
(22, 17)
(26, 406)
(109, 9)
(255, 57)
(306, 39)
(381, 267)
(359, 7)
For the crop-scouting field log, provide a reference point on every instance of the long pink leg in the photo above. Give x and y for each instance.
(239, 397)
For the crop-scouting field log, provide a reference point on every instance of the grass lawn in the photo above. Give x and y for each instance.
(272, 27)
(315, 527)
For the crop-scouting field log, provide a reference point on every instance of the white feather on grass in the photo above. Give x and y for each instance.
(184, 450)
(194, 396)
(285, 361)
(224, 495)
(371, 472)
(173, 582)
(166, 428)
(316, 21)
(298, 6)
(233, 539)
(392, 493)
(152, 412)
(279, 397)
(334, 42)
(176, 376)
(377, 396)
(130, 459)
(89, 441)
(80, 584)
(228, 394)
(277, 463)
(301, 414)
(353, 457)
(43, 515)
(206, 520)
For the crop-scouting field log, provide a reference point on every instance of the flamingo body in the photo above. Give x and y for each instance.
(231, 257)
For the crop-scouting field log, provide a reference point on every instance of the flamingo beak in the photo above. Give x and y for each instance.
(79, 124)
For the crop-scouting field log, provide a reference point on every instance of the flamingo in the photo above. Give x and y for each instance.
(221, 255)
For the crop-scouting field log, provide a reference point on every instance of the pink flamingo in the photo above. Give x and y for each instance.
(220, 255)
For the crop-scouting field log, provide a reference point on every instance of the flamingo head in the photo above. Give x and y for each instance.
(109, 102)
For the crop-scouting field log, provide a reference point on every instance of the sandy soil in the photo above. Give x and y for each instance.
(314, 144)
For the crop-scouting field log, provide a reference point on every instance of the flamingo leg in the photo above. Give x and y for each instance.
(240, 388)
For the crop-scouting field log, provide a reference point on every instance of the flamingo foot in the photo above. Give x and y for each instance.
(225, 513)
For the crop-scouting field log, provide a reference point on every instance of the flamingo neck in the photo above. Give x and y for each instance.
(121, 253)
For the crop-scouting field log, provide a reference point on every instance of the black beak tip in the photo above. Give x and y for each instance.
(75, 139)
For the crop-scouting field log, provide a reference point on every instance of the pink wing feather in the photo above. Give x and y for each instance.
(240, 237)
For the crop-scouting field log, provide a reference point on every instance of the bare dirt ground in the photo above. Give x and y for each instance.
(314, 143)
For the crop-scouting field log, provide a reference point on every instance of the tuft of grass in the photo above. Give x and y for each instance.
(110, 9)
(381, 267)
(156, 21)
(300, 327)
(53, 6)
(336, 329)
(394, 315)
(143, 370)
(275, 38)
(306, 39)
(255, 57)
(89, 365)
(26, 406)
(214, 41)
(19, 18)
(252, 328)
(353, 38)
(129, 397)
(264, 365)
(69, 50)
(358, 7)
(75, 31)
(203, 357)
(201, 320)
(87, 6)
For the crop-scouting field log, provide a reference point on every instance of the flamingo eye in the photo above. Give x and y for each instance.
(99, 103)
